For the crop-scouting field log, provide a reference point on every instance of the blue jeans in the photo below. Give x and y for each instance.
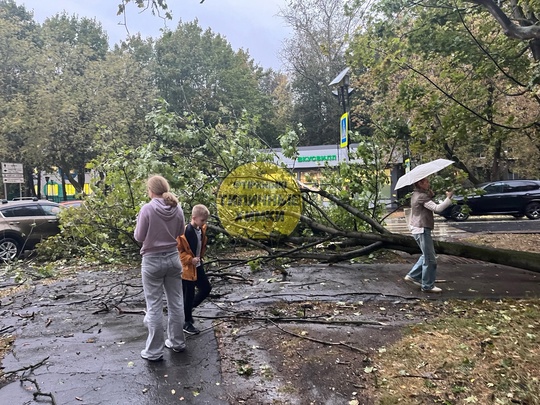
(162, 272)
(425, 269)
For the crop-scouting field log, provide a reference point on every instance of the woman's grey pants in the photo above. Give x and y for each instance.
(162, 272)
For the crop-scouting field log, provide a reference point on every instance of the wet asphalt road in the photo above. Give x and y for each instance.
(499, 225)
(478, 224)
(90, 353)
(93, 357)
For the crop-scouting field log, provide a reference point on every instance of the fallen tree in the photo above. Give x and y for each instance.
(332, 244)
(353, 244)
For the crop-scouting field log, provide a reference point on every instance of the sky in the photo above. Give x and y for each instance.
(252, 25)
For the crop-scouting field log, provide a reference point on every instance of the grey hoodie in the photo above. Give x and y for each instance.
(158, 225)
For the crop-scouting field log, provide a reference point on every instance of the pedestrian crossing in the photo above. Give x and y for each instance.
(442, 227)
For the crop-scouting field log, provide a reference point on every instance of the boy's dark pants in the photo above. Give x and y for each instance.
(192, 300)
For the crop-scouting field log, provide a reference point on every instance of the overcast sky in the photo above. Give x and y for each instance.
(249, 24)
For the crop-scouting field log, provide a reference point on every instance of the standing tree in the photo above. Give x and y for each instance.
(19, 47)
(314, 56)
(447, 79)
(73, 97)
(198, 72)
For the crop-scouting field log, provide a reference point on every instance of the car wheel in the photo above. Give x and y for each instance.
(9, 249)
(458, 213)
(532, 210)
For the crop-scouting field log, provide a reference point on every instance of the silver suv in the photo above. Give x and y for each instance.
(25, 223)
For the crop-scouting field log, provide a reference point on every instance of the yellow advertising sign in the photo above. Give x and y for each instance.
(258, 200)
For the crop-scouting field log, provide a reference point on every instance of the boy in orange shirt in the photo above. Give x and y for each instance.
(192, 245)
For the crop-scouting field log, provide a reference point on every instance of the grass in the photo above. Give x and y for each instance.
(480, 352)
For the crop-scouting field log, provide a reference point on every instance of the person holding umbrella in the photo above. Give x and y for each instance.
(421, 222)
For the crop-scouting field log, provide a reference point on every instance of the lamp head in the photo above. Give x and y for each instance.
(339, 80)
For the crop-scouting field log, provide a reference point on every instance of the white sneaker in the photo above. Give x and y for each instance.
(169, 345)
(145, 356)
(411, 280)
(432, 290)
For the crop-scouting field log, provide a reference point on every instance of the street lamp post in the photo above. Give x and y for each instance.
(47, 178)
(342, 91)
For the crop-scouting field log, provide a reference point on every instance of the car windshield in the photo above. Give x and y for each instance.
(51, 209)
(493, 188)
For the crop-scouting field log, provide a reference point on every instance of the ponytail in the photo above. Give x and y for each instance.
(170, 199)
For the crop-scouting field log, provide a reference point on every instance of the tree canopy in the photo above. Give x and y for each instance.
(68, 98)
(444, 80)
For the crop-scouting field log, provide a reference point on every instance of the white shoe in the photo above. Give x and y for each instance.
(169, 345)
(432, 290)
(145, 356)
(411, 280)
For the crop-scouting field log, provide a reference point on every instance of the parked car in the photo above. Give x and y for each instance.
(25, 198)
(513, 197)
(24, 223)
(71, 203)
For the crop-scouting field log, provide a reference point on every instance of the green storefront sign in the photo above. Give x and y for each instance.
(317, 158)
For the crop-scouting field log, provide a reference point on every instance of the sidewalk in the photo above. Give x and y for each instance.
(92, 356)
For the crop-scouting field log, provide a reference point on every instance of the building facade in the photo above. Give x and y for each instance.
(311, 159)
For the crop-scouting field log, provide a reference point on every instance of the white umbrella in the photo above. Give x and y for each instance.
(422, 171)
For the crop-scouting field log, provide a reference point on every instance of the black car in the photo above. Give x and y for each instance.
(24, 223)
(513, 197)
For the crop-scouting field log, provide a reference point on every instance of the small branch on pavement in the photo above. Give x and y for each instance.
(233, 276)
(7, 329)
(31, 367)
(310, 320)
(319, 341)
(104, 309)
(38, 393)
(9, 285)
(428, 376)
(90, 327)
(127, 311)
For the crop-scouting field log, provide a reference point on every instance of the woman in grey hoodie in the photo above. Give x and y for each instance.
(159, 223)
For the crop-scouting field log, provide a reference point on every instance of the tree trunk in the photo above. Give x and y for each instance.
(520, 32)
(357, 244)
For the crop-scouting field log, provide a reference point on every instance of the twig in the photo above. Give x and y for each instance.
(105, 309)
(231, 275)
(7, 329)
(31, 367)
(90, 327)
(9, 285)
(425, 376)
(39, 393)
(319, 341)
(45, 394)
(310, 320)
(127, 311)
